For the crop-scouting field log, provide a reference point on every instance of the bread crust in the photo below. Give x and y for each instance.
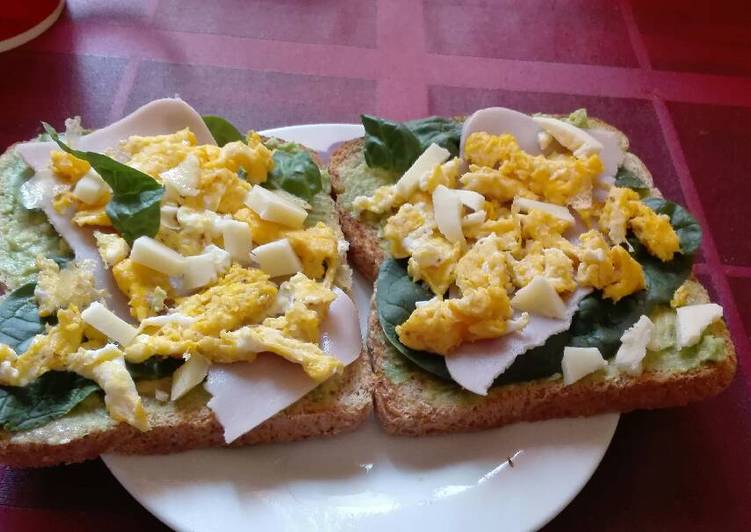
(197, 427)
(406, 408)
(402, 408)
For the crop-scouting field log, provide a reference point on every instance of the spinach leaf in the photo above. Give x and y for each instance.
(49, 397)
(396, 145)
(154, 368)
(445, 132)
(688, 229)
(222, 130)
(19, 318)
(600, 323)
(389, 145)
(136, 197)
(396, 295)
(295, 172)
(627, 179)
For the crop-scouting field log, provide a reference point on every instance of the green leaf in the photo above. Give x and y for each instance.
(396, 295)
(627, 179)
(136, 197)
(600, 323)
(49, 397)
(395, 145)
(445, 132)
(578, 118)
(688, 229)
(154, 368)
(295, 172)
(389, 145)
(19, 318)
(222, 130)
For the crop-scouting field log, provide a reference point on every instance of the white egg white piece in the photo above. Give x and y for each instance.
(500, 120)
(159, 117)
(244, 395)
(476, 365)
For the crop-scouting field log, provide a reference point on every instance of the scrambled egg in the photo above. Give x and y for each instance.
(236, 315)
(504, 249)
(73, 285)
(481, 312)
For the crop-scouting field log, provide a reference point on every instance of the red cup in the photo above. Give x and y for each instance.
(24, 20)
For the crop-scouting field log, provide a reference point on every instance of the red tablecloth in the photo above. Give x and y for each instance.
(675, 76)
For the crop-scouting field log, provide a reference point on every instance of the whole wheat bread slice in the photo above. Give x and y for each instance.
(339, 405)
(410, 401)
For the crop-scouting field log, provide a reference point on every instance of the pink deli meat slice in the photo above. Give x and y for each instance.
(499, 120)
(476, 365)
(244, 395)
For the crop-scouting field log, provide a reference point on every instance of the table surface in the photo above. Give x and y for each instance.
(676, 77)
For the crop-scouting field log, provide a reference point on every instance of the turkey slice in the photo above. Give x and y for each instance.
(476, 365)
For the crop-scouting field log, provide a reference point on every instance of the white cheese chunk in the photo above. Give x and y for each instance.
(275, 208)
(189, 375)
(277, 258)
(184, 177)
(426, 162)
(176, 318)
(157, 256)
(634, 346)
(237, 240)
(474, 218)
(579, 362)
(448, 213)
(539, 297)
(692, 320)
(470, 198)
(107, 323)
(525, 205)
(91, 188)
(168, 217)
(581, 143)
(204, 269)
(199, 272)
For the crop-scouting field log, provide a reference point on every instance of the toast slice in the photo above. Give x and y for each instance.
(410, 401)
(339, 405)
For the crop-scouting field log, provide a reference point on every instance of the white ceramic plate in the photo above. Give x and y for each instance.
(514, 478)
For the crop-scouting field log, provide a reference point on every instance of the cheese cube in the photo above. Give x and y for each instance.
(91, 188)
(275, 208)
(692, 320)
(429, 159)
(581, 143)
(237, 240)
(526, 205)
(204, 269)
(184, 177)
(277, 258)
(448, 213)
(157, 256)
(539, 297)
(470, 198)
(189, 375)
(579, 362)
(634, 346)
(107, 323)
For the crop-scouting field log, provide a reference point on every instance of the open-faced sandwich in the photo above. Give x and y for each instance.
(157, 253)
(526, 268)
